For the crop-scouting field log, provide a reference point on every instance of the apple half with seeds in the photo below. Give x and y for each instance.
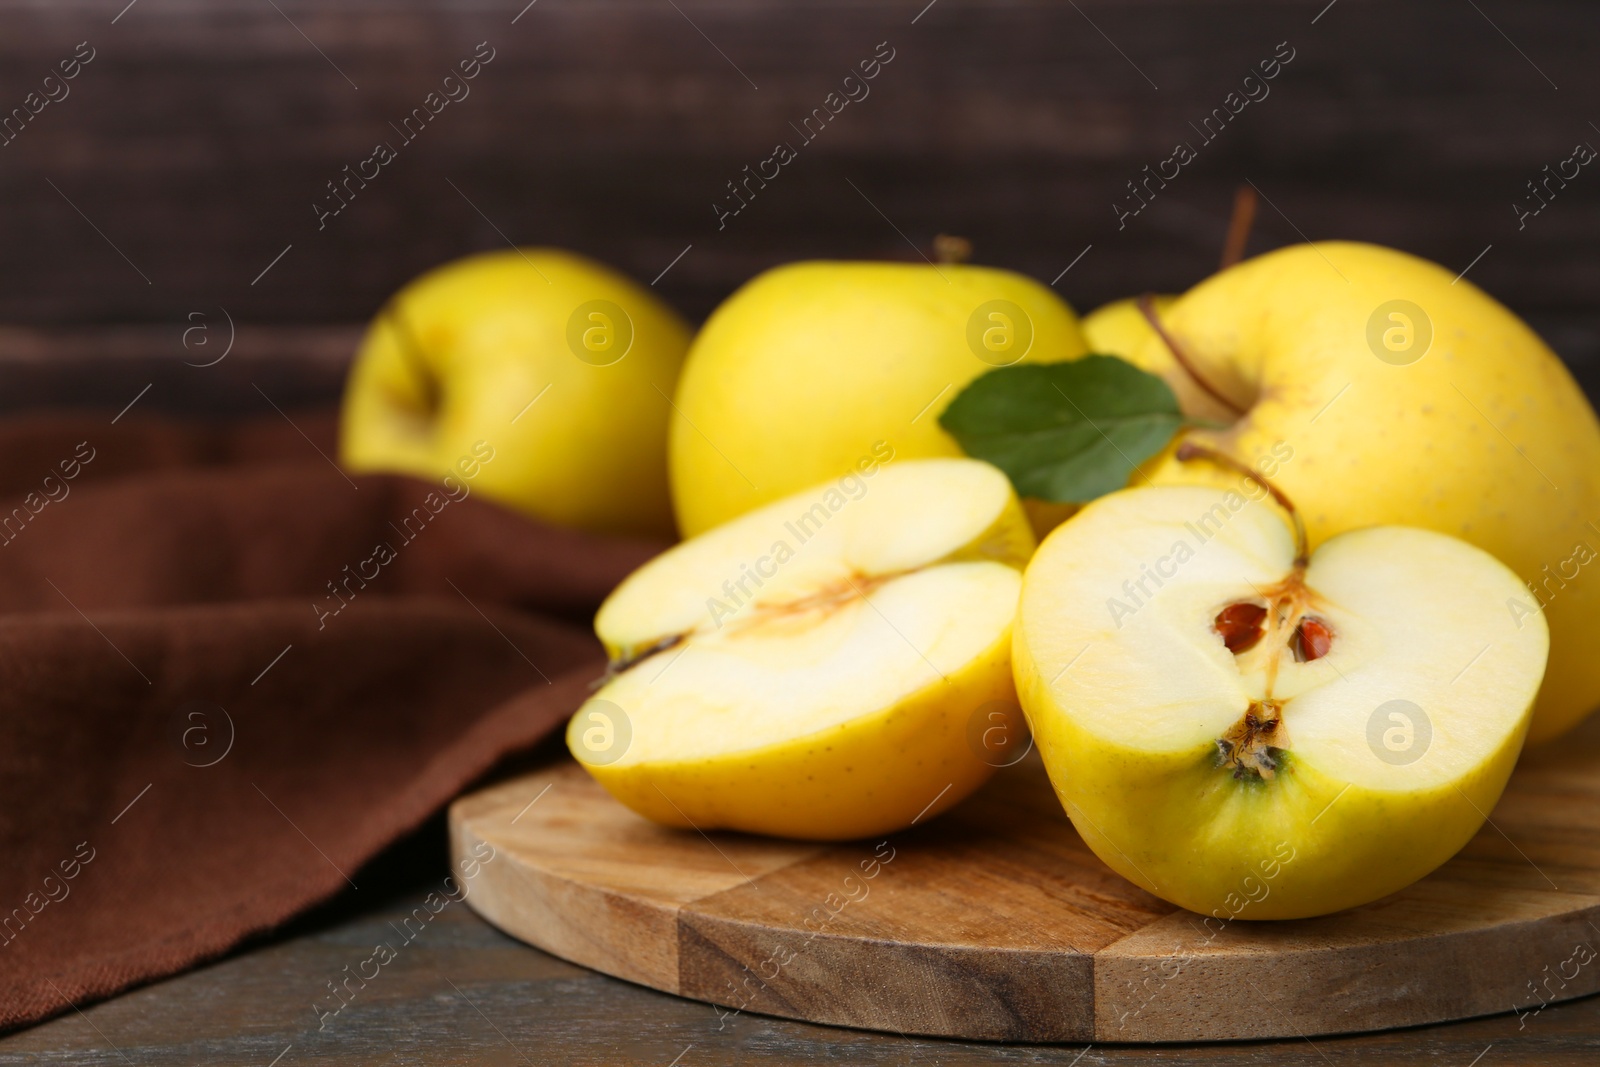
(1249, 730)
(811, 669)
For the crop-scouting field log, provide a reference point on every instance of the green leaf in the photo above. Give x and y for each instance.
(1066, 432)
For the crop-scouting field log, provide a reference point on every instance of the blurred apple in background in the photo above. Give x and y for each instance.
(562, 366)
(1120, 328)
(813, 368)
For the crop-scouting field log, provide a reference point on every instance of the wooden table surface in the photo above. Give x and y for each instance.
(462, 993)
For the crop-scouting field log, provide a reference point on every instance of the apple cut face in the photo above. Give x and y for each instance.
(811, 669)
(1253, 736)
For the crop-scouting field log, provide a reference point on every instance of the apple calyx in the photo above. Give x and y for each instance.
(1257, 744)
(1147, 307)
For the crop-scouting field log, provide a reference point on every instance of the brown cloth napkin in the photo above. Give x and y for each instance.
(194, 745)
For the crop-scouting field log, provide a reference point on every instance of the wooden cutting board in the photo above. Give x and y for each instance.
(994, 921)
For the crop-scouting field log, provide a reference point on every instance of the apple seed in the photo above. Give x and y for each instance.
(1312, 639)
(1240, 625)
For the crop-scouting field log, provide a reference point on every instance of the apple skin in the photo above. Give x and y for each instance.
(868, 776)
(1471, 439)
(489, 333)
(1120, 328)
(1115, 793)
(798, 374)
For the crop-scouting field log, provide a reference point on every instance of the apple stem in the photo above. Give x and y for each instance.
(1147, 307)
(1244, 216)
(1302, 554)
(949, 249)
(412, 353)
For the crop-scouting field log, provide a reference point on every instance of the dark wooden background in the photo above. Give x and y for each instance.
(202, 132)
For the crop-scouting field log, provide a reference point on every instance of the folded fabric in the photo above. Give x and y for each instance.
(230, 674)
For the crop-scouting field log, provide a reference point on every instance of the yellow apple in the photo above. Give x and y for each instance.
(1120, 327)
(1384, 390)
(1252, 730)
(559, 365)
(810, 367)
(815, 668)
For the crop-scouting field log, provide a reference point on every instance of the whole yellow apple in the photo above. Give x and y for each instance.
(563, 367)
(1382, 389)
(812, 368)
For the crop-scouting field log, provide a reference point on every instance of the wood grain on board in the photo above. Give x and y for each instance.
(995, 922)
(464, 994)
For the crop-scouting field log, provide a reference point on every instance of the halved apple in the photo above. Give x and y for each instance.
(811, 668)
(1248, 732)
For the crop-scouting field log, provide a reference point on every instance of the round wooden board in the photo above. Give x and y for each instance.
(995, 922)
